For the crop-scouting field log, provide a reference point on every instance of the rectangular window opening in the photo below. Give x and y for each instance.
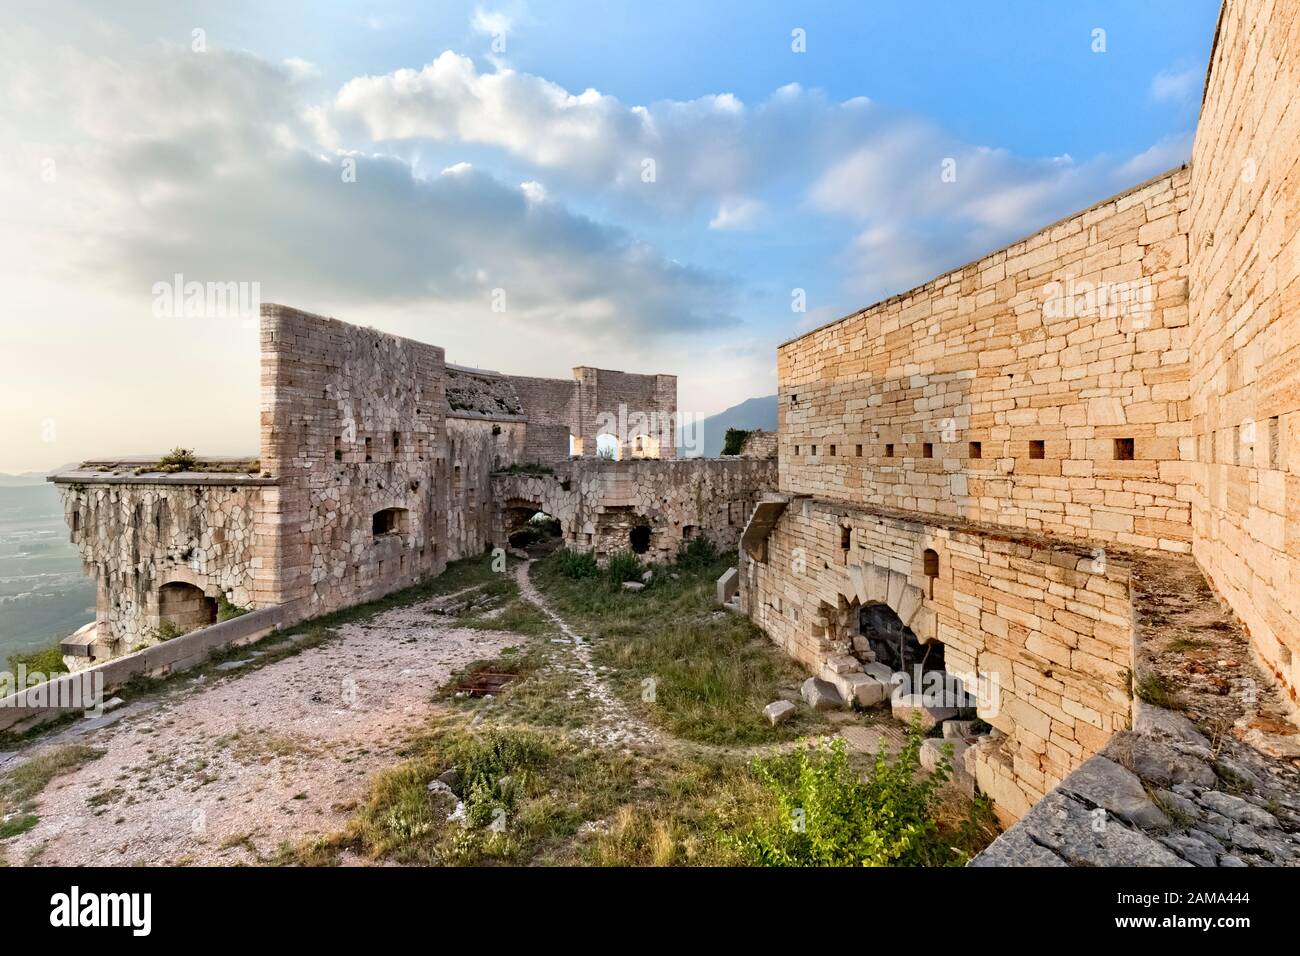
(889, 450)
(976, 450)
(1037, 449)
(927, 450)
(1123, 449)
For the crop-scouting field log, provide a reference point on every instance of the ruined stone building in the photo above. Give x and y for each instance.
(991, 455)
(379, 464)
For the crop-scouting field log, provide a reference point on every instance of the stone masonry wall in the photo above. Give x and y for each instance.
(476, 449)
(599, 502)
(1245, 287)
(137, 535)
(1050, 623)
(998, 392)
(352, 425)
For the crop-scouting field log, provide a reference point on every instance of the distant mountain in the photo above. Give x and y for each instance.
(751, 414)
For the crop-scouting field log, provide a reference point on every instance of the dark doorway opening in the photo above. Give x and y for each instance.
(893, 642)
(639, 538)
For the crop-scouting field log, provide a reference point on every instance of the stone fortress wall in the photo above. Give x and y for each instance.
(600, 505)
(378, 466)
(1245, 303)
(1030, 427)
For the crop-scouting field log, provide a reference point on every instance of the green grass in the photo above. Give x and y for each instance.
(527, 798)
(21, 786)
(713, 671)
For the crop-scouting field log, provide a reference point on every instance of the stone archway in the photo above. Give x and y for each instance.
(184, 607)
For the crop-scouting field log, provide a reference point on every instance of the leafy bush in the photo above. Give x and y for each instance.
(696, 554)
(829, 815)
(623, 566)
(734, 441)
(576, 564)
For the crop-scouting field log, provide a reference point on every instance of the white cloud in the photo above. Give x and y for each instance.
(301, 70)
(738, 212)
(1175, 85)
(491, 22)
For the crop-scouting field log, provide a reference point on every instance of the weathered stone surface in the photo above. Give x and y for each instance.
(1162, 722)
(1017, 848)
(820, 694)
(1104, 783)
(633, 586)
(1068, 828)
(1190, 849)
(1157, 762)
(958, 729)
(778, 711)
(1237, 809)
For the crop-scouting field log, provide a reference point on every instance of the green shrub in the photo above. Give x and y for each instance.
(226, 610)
(178, 459)
(734, 441)
(576, 564)
(623, 566)
(696, 554)
(829, 815)
(48, 662)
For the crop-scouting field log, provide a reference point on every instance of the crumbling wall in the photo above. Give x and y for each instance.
(1245, 356)
(1046, 624)
(598, 503)
(759, 444)
(476, 448)
(352, 426)
(1044, 387)
(137, 534)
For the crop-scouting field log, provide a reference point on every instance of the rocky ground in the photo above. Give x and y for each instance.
(1210, 773)
(226, 768)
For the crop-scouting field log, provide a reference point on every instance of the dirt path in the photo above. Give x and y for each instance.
(227, 768)
(614, 725)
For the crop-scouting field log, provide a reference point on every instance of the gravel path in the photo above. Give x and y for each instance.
(224, 769)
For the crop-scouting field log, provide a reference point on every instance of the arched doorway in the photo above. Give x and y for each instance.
(528, 527)
(892, 642)
(183, 607)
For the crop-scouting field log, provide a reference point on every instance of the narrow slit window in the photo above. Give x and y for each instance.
(338, 448)
(846, 537)
(369, 457)
(832, 451)
(889, 450)
(927, 450)
(858, 450)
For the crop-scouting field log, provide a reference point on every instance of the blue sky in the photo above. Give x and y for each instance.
(521, 168)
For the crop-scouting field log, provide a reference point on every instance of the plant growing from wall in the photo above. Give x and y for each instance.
(734, 441)
(178, 459)
(227, 611)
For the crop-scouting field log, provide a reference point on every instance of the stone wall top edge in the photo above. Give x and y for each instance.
(274, 310)
(180, 479)
(951, 273)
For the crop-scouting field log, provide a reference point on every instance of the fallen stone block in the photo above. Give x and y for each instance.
(728, 585)
(820, 694)
(633, 586)
(909, 707)
(843, 664)
(778, 711)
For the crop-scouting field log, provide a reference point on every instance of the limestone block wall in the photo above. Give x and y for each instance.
(1044, 387)
(138, 535)
(1048, 624)
(598, 503)
(352, 426)
(595, 401)
(759, 444)
(1245, 288)
(477, 448)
